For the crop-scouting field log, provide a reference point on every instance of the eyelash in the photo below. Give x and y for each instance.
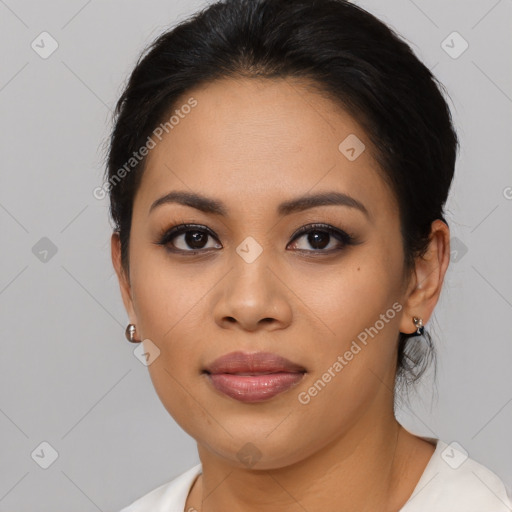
(346, 239)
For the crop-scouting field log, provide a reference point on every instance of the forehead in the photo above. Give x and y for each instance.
(256, 141)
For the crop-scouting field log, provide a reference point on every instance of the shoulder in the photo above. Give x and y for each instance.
(454, 482)
(169, 497)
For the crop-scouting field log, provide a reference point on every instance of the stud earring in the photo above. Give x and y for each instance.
(130, 332)
(418, 322)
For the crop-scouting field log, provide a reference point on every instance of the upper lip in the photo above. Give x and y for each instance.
(256, 362)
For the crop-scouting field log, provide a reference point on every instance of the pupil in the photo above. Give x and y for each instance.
(315, 239)
(193, 239)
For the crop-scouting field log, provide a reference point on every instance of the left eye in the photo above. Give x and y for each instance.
(320, 237)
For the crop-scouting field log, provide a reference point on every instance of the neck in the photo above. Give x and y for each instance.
(359, 470)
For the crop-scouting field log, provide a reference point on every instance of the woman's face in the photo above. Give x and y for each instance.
(252, 285)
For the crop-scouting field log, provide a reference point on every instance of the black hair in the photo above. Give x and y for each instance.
(346, 53)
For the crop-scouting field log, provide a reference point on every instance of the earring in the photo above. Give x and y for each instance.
(130, 331)
(418, 322)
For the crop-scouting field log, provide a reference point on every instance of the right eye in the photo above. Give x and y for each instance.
(190, 238)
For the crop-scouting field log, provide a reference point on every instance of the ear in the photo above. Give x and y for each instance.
(123, 278)
(426, 283)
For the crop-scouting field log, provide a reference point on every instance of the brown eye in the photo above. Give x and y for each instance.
(187, 238)
(320, 236)
(195, 239)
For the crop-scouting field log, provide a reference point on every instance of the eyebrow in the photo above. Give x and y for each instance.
(216, 207)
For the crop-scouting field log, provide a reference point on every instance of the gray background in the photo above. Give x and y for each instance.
(69, 377)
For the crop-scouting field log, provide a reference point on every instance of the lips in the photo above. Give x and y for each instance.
(253, 377)
(252, 364)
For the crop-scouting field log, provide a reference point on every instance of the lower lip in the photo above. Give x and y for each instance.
(254, 388)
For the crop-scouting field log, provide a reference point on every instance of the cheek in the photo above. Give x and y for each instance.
(163, 294)
(167, 305)
(359, 303)
(351, 297)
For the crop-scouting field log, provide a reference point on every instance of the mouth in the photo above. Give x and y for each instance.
(253, 363)
(255, 377)
(254, 387)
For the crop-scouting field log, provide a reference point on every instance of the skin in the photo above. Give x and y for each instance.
(252, 144)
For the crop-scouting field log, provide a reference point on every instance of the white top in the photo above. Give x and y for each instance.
(451, 482)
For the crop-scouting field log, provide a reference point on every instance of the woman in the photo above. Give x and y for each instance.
(277, 173)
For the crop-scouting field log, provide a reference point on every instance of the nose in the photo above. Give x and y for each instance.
(253, 297)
